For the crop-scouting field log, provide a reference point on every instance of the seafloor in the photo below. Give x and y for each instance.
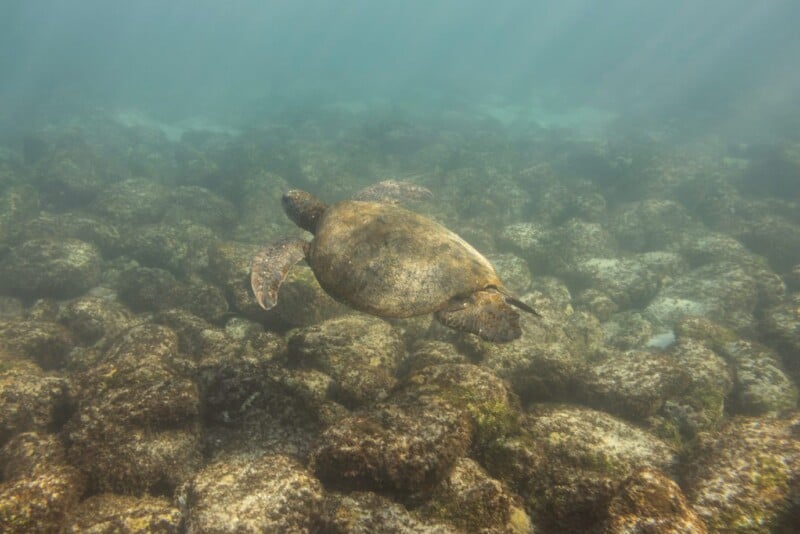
(143, 390)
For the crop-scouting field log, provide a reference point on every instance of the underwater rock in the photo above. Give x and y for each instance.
(181, 248)
(360, 512)
(747, 477)
(546, 363)
(198, 205)
(649, 501)
(576, 241)
(699, 404)
(408, 442)
(596, 303)
(725, 292)
(704, 247)
(134, 202)
(793, 278)
(44, 342)
(50, 268)
(761, 387)
(70, 225)
(302, 302)
(135, 427)
(69, 173)
(513, 271)
(782, 325)
(429, 352)
(634, 384)
(229, 267)
(146, 289)
(231, 371)
(475, 502)
(682, 389)
(17, 205)
(484, 397)
(109, 512)
(627, 330)
(38, 487)
(651, 224)
(406, 447)
(95, 319)
(775, 238)
(626, 281)
(568, 462)
(359, 352)
(268, 493)
(29, 399)
(260, 189)
(527, 239)
(195, 166)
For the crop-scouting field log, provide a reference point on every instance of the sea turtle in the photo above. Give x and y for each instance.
(382, 259)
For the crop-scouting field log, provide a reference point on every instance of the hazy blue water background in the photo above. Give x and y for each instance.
(724, 65)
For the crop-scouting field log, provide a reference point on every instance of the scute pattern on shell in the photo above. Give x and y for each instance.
(392, 262)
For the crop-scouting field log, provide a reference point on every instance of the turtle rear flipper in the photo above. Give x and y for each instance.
(485, 313)
(269, 268)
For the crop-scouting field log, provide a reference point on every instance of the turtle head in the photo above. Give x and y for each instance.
(303, 208)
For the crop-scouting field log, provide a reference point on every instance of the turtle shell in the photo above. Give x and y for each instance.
(392, 262)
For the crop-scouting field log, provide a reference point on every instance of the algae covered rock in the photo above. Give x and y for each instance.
(725, 292)
(361, 512)
(135, 427)
(649, 501)
(747, 478)
(568, 461)
(92, 319)
(44, 342)
(628, 282)
(38, 487)
(268, 493)
(181, 248)
(782, 324)
(473, 501)
(134, 201)
(359, 352)
(302, 302)
(50, 268)
(405, 447)
(29, 399)
(72, 225)
(109, 512)
(651, 224)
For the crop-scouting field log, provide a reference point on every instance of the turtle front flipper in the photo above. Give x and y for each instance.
(485, 313)
(269, 268)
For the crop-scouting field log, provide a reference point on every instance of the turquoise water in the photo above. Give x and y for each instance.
(630, 171)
